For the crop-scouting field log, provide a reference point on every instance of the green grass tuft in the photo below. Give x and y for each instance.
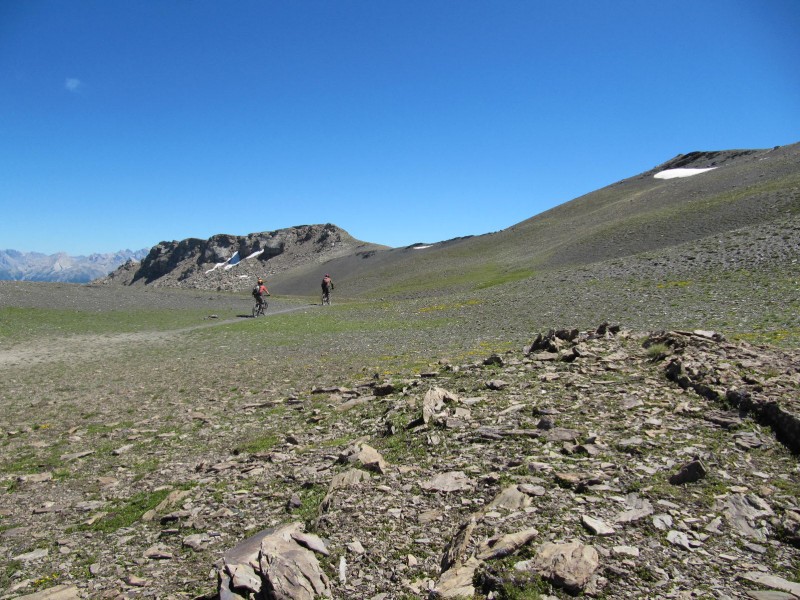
(127, 512)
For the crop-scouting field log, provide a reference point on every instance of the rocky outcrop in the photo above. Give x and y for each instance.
(231, 262)
(695, 365)
(705, 159)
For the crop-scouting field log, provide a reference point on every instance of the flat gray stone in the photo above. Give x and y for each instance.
(772, 581)
(60, 592)
(596, 526)
(500, 546)
(679, 538)
(570, 565)
(452, 481)
(743, 511)
(32, 555)
(759, 595)
(638, 508)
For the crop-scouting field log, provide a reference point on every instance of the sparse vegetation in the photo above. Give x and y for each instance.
(127, 512)
(657, 351)
(257, 444)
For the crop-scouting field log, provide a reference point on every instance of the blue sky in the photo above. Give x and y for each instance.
(125, 123)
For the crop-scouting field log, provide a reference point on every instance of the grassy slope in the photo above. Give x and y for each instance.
(636, 215)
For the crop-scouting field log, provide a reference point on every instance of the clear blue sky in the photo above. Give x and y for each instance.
(125, 123)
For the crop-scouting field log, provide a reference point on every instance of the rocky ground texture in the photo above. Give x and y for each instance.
(601, 462)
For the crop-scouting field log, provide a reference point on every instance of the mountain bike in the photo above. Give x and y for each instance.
(260, 307)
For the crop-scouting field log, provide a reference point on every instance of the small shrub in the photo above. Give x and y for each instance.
(658, 352)
(508, 586)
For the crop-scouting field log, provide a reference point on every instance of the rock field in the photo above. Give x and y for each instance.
(604, 463)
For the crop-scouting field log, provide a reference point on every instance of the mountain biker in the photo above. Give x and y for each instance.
(260, 291)
(327, 288)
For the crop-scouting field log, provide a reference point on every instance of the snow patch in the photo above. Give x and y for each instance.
(422, 247)
(233, 261)
(216, 266)
(675, 173)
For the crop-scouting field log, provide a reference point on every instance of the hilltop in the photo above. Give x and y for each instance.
(228, 262)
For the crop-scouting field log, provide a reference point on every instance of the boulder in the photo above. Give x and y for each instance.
(366, 456)
(689, 473)
(457, 581)
(278, 563)
(568, 565)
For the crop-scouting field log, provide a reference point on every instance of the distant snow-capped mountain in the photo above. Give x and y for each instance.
(35, 266)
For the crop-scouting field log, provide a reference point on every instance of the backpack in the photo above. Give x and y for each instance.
(255, 292)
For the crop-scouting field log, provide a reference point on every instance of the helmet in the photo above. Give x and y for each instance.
(260, 280)
(326, 275)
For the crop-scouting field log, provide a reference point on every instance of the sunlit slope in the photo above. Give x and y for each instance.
(639, 214)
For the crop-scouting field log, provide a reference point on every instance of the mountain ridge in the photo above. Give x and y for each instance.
(231, 262)
(61, 267)
(733, 190)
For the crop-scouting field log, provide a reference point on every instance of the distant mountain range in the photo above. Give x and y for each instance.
(35, 266)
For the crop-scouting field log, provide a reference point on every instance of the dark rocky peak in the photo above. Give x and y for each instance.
(705, 159)
(224, 261)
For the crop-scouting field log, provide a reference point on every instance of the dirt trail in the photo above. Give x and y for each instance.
(86, 347)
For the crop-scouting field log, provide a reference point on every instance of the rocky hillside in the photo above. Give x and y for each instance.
(738, 194)
(61, 267)
(746, 208)
(231, 263)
